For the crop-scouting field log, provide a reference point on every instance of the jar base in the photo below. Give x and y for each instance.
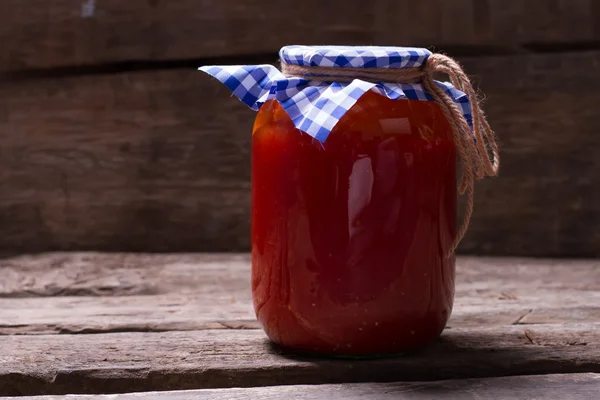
(292, 351)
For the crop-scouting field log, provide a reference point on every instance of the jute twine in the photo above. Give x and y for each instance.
(477, 149)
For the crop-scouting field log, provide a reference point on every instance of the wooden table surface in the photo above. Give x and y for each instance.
(183, 325)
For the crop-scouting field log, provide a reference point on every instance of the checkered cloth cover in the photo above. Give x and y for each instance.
(316, 107)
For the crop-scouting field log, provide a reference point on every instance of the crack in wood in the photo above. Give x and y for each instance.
(518, 320)
(529, 336)
(507, 296)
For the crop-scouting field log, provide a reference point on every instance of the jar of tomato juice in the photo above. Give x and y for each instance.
(354, 197)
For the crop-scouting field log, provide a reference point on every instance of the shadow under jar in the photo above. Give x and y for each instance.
(350, 237)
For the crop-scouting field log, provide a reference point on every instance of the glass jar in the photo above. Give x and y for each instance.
(354, 193)
(350, 237)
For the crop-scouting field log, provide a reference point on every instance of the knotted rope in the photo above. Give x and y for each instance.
(477, 149)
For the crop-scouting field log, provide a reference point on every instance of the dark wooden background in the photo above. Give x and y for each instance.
(110, 140)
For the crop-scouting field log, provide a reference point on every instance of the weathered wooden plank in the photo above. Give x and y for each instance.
(191, 311)
(94, 293)
(126, 362)
(494, 25)
(144, 160)
(41, 34)
(159, 161)
(209, 293)
(548, 387)
(77, 315)
(545, 135)
(123, 274)
(113, 274)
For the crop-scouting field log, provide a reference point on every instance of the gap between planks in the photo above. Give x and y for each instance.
(547, 387)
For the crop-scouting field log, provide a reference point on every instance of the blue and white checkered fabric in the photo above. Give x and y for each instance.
(316, 107)
(354, 57)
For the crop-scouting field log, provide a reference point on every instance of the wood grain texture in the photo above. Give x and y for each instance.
(129, 362)
(548, 387)
(159, 161)
(99, 293)
(41, 34)
(545, 200)
(142, 161)
(111, 275)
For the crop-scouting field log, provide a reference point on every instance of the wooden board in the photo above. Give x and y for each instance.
(139, 161)
(547, 387)
(159, 161)
(111, 323)
(143, 361)
(198, 311)
(41, 34)
(100, 293)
